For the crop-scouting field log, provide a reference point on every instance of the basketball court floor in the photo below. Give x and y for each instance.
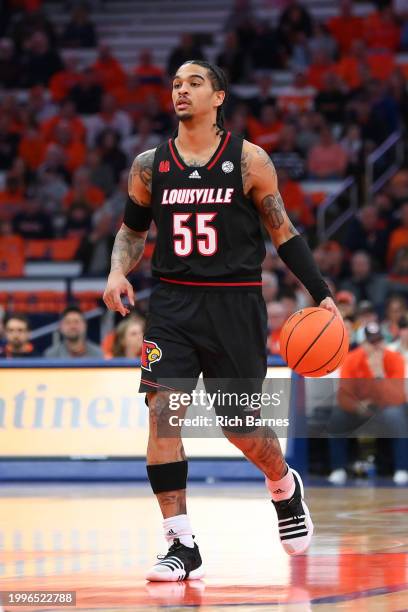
(98, 540)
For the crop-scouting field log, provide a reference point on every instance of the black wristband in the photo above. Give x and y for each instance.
(296, 254)
(136, 217)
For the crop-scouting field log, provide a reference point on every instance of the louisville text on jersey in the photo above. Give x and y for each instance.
(198, 196)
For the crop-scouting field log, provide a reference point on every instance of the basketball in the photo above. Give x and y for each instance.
(313, 342)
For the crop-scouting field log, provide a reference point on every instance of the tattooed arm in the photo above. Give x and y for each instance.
(129, 245)
(261, 185)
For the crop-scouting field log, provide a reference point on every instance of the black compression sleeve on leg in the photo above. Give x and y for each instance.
(167, 476)
(295, 253)
(137, 218)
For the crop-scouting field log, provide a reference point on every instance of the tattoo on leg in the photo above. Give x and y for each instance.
(264, 451)
(172, 502)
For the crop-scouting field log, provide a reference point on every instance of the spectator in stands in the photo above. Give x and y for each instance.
(39, 105)
(329, 257)
(352, 143)
(320, 66)
(111, 153)
(78, 221)
(108, 69)
(66, 114)
(242, 20)
(128, 339)
(148, 73)
(400, 344)
(232, 58)
(39, 62)
(32, 146)
(287, 155)
(366, 234)
(8, 142)
(83, 191)
(32, 222)
(54, 162)
(87, 93)
(17, 332)
(74, 343)
(155, 109)
(187, 49)
(345, 27)
(263, 94)
(331, 99)
(3, 340)
(63, 81)
(276, 319)
(371, 399)
(399, 236)
(28, 24)
(364, 283)
(381, 30)
(270, 286)
(114, 207)
(143, 140)
(321, 40)
(12, 196)
(346, 303)
(265, 52)
(79, 31)
(109, 117)
(293, 20)
(265, 131)
(395, 308)
(9, 65)
(365, 314)
(74, 150)
(51, 189)
(293, 195)
(296, 98)
(100, 173)
(327, 159)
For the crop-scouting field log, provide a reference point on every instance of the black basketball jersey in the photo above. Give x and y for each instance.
(208, 231)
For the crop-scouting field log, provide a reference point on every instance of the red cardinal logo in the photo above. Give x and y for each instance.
(151, 353)
(164, 166)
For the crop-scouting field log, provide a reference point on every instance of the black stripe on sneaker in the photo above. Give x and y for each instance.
(294, 535)
(176, 562)
(170, 565)
(293, 528)
(291, 518)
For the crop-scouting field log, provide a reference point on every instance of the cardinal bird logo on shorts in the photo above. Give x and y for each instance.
(151, 353)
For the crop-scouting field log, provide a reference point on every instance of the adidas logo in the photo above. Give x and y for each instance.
(171, 532)
(195, 175)
(278, 491)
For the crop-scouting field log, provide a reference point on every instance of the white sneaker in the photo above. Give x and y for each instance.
(401, 477)
(338, 477)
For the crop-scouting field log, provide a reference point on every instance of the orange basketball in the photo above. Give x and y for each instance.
(314, 342)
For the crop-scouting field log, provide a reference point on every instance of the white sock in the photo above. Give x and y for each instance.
(283, 488)
(178, 527)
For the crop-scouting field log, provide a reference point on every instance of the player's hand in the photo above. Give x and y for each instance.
(330, 305)
(117, 286)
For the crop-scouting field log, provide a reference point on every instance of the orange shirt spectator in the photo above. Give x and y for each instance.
(357, 380)
(108, 70)
(62, 82)
(83, 191)
(381, 30)
(32, 148)
(295, 202)
(327, 159)
(345, 29)
(76, 127)
(320, 66)
(265, 132)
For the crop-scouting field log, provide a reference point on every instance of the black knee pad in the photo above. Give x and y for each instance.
(167, 476)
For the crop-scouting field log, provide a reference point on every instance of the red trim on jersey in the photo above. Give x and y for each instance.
(216, 158)
(155, 385)
(190, 283)
(174, 155)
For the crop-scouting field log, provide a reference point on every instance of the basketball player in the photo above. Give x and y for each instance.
(208, 192)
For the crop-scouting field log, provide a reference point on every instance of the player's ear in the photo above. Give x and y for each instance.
(219, 97)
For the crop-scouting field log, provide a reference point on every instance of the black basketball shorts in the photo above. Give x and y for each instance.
(219, 332)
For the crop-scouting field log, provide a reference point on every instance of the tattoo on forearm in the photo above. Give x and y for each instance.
(127, 250)
(273, 210)
(142, 167)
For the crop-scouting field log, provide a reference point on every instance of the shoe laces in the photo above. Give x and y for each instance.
(175, 546)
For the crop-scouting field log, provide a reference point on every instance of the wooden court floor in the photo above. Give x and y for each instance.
(97, 540)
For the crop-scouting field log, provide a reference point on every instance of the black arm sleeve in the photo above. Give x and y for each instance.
(295, 253)
(136, 217)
